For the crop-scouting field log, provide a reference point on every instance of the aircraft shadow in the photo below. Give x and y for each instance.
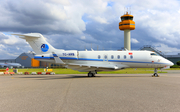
(79, 77)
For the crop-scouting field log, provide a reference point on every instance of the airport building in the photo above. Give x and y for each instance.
(173, 58)
(27, 60)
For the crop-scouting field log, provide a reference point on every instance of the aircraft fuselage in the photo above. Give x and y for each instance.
(112, 59)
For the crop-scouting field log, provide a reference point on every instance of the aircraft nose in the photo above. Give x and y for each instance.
(170, 63)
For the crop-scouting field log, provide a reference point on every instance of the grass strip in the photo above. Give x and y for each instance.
(70, 71)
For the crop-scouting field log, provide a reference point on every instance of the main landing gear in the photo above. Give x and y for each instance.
(155, 73)
(92, 74)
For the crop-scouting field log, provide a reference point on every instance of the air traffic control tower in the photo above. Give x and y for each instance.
(126, 25)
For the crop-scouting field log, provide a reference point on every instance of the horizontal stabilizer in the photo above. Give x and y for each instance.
(36, 35)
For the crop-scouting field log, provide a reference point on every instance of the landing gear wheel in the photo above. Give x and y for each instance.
(155, 75)
(90, 75)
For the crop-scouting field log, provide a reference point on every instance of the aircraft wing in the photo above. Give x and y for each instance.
(57, 59)
(88, 67)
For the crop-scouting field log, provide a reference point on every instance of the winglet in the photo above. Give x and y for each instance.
(57, 59)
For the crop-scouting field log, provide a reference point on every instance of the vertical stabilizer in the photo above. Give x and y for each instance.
(37, 42)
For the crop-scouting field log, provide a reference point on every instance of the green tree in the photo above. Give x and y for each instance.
(178, 63)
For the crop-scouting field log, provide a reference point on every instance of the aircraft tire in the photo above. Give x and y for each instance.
(90, 74)
(155, 75)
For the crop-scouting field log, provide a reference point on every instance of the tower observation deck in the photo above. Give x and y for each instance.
(126, 25)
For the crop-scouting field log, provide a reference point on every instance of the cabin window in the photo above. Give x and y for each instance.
(124, 56)
(105, 57)
(99, 57)
(112, 56)
(118, 57)
(131, 57)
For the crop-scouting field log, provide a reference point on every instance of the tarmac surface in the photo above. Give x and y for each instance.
(79, 93)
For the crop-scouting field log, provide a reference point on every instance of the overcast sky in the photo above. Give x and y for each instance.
(80, 24)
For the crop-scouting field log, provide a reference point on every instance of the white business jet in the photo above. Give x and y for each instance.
(94, 61)
(10, 64)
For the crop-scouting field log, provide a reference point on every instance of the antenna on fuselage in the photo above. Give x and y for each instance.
(125, 49)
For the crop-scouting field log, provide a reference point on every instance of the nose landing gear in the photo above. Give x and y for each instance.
(155, 73)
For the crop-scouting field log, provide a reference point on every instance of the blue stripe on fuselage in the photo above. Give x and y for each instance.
(68, 58)
(86, 59)
(38, 57)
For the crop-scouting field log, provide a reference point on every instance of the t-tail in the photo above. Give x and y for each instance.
(38, 43)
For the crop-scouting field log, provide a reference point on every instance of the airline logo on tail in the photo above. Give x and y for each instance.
(44, 47)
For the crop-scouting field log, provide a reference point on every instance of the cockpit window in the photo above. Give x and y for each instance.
(153, 54)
